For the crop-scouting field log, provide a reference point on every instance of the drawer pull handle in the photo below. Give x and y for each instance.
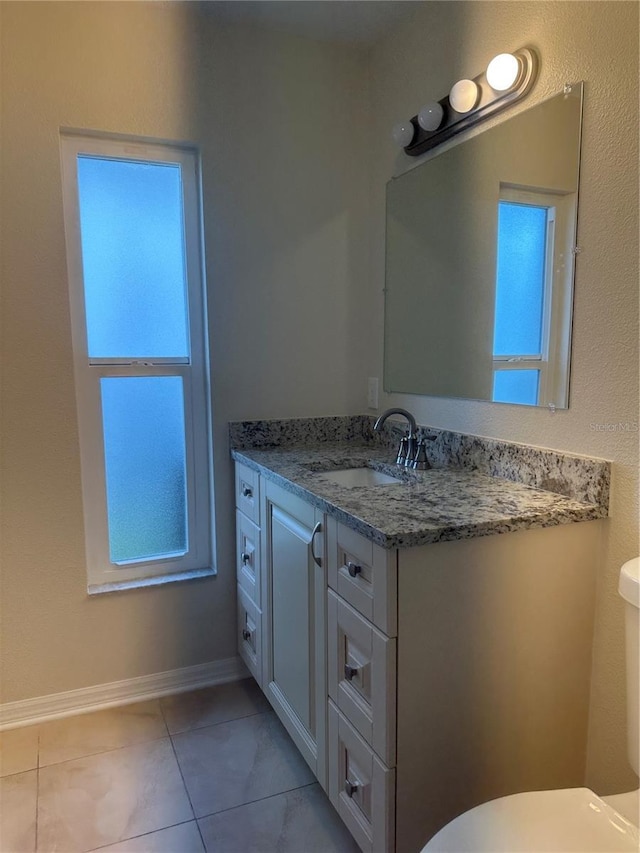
(350, 672)
(247, 492)
(246, 558)
(350, 787)
(353, 569)
(246, 634)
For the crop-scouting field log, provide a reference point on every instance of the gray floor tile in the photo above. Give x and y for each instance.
(300, 821)
(90, 734)
(18, 795)
(237, 762)
(100, 799)
(184, 838)
(211, 705)
(18, 750)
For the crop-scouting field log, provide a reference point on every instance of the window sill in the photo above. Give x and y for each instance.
(158, 580)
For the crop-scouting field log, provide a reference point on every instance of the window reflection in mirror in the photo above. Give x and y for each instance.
(479, 267)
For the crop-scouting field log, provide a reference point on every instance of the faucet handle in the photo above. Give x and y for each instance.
(403, 451)
(420, 461)
(412, 450)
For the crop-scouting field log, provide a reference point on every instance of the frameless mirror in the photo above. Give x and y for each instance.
(480, 261)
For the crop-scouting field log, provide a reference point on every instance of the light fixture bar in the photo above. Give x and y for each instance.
(489, 101)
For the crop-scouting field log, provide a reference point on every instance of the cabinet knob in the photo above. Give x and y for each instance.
(350, 672)
(350, 787)
(246, 558)
(247, 492)
(246, 634)
(353, 569)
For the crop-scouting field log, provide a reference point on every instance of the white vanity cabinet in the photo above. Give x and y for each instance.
(458, 672)
(419, 682)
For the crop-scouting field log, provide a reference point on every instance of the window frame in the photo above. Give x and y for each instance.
(547, 362)
(102, 573)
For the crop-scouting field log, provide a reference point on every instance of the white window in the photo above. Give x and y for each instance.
(133, 233)
(526, 360)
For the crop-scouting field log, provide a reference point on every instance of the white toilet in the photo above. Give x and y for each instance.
(572, 820)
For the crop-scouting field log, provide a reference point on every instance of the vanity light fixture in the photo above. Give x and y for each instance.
(464, 95)
(430, 116)
(503, 71)
(403, 133)
(509, 77)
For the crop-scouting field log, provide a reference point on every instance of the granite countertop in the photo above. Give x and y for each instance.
(443, 503)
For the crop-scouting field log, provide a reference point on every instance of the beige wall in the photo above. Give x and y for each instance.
(598, 43)
(284, 236)
(281, 124)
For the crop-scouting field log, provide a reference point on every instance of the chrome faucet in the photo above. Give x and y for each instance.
(411, 452)
(413, 428)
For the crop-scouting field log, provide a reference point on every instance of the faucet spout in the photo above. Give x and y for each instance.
(383, 417)
(412, 452)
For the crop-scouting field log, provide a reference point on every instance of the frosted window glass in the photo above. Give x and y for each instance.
(522, 231)
(144, 444)
(131, 227)
(516, 386)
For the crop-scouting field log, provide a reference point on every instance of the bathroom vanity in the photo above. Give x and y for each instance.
(425, 642)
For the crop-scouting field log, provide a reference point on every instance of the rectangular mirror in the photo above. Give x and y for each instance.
(480, 261)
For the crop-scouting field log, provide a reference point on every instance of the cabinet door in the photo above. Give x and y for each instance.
(294, 620)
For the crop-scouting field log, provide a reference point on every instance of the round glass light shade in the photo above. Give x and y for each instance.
(464, 96)
(503, 71)
(403, 133)
(430, 116)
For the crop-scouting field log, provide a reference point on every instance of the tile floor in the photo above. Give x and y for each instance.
(211, 770)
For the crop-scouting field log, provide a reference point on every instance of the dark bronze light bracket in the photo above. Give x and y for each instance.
(489, 102)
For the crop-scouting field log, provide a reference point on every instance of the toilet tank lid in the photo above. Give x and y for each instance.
(629, 586)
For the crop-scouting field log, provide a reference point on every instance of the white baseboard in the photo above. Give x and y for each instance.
(99, 696)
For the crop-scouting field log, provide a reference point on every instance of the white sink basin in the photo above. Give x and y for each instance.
(360, 477)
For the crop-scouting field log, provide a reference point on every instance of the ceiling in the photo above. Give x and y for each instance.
(358, 21)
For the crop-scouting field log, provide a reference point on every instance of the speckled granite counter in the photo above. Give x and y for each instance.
(443, 503)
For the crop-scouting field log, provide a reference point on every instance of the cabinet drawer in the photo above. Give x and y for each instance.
(361, 787)
(364, 574)
(247, 492)
(362, 676)
(248, 556)
(250, 634)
